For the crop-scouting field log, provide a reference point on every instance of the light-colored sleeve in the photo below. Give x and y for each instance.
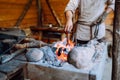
(72, 5)
(111, 4)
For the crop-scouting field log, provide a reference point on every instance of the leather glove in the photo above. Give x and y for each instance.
(102, 18)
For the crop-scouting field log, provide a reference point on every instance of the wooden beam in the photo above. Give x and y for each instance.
(60, 30)
(53, 13)
(27, 6)
(39, 9)
(116, 43)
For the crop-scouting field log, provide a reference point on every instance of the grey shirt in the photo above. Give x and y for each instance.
(89, 11)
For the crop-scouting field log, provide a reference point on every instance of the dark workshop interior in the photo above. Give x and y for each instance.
(33, 44)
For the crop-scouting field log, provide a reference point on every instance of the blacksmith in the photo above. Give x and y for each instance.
(92, 13)
(90, 25)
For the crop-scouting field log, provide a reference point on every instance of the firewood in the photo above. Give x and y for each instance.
(32, 44)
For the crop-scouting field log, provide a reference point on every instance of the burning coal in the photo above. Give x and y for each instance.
(63, 49)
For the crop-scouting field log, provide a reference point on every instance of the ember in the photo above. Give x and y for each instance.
(63, 49)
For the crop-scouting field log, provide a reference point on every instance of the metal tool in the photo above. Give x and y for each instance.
(68, 38)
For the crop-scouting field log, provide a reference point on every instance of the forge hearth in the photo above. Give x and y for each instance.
(44, 71)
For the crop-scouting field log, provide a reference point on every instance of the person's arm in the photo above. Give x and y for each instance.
(69, 23)
(69, 11)
(109, 8)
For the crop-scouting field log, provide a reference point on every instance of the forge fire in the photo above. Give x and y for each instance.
(63, 49)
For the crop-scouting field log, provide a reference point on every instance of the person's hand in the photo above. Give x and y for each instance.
(102, 18)
(67, 29)
(68, 26)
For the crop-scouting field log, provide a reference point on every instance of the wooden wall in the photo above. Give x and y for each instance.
(10, 10)
(58, 6)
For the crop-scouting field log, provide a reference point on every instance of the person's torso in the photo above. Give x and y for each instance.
(90, 10)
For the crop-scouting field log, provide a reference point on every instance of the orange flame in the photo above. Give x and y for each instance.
(63, 55)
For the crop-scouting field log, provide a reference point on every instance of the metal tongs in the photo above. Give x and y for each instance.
(68, 37)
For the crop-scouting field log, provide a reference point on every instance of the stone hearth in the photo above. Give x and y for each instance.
(42, 71)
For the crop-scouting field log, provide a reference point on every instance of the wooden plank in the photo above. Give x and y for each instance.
(54, 29)
(15, 15)
(11, 6)
(7, 10)
(16, 2)
(25, 23)
(116, 43)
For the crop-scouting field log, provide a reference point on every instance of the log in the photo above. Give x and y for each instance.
(116, 43)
